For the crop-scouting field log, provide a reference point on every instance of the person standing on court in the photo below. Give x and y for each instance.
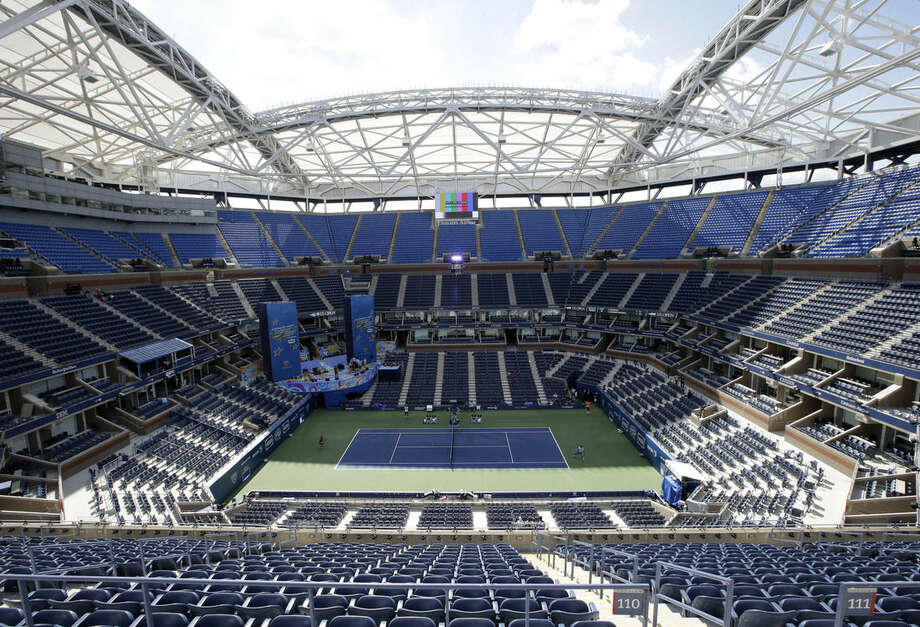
(587, 407)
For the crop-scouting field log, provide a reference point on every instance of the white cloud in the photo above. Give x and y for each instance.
(290, 51)
(566, 42)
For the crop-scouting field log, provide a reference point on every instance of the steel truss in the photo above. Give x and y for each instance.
(95, 83)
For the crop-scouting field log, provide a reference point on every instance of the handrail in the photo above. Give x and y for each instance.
(726, 619)
(311, 587)
(863, 587)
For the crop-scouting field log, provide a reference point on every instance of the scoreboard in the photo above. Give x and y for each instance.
(456, 206)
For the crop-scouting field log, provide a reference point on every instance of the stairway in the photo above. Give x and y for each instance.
(512, 297)
(230, 255)
(731, 291)
(277, 287)
(438, 278)
(474, 290)
(471, 384)
(811, 296)
(401, 295)
(28, 350)
(537, 379)
(520, 234)
(707, 279)
(503, 375)
(590, 294)
(547, 288)
(895, 339)
(310, 237)
(478, 243)
(393, 237)
(552, 371)
(166, 312)
(269, 239)
(83, 246)
(798, 227)
(757, 222)
(319, 293)
(833, 321)
(407, 378)
(127, 319)
(243, 300)
(85, 332)
(368, 397)
(439, 380)
(632, 290)
(674, 289)
(172, 250)
(133, 245)
(699, 224)
(593, 244)
(873, 210)
(610, 376)
(565, 240)
(351, 241)
(648, 229)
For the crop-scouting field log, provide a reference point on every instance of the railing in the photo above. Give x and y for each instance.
(633, 598)
(858, 598)
(725, 620)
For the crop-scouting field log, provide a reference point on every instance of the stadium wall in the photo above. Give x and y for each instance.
(232, 476)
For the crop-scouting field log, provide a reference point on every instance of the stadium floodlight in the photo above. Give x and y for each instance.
(456, 258)
(829, 49)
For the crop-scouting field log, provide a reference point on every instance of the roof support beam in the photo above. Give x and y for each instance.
(753, 22)
(12, 92)
(121, 21)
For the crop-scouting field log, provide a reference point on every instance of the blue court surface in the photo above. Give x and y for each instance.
(465, 448)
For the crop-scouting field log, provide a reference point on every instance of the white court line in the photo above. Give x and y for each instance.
(396, 446)
(508, 443)
(339, 463)
(558, 448)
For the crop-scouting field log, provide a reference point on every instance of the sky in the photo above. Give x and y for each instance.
(288, 51)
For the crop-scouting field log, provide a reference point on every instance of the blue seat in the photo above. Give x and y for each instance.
(569, 611)
(377, 607)
(757, 613)
(65, 618)
(175, 601)
(110, 618)
(352, 621)
(406, 621)
(512, 609)
(218, 603)
(429, 607)
(897, 603)
(38, 599)
(537, 622)
(162, 619)
(470, 622)
(327, 606)
(266, 605)
(10, 616)
(290, 620)
(217, 620)
(82, 601)
(476, 607)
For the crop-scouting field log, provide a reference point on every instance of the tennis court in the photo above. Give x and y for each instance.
(453, 448)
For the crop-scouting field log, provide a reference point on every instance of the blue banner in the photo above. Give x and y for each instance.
(280, 337)
(360, 332)
(235, 475)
